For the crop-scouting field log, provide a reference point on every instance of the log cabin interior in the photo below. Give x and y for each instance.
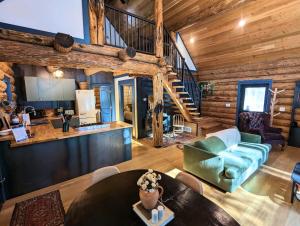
(150, 112)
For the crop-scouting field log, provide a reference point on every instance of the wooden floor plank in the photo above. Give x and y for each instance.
(263, 200)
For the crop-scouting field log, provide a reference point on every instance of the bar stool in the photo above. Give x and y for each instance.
(296, 181)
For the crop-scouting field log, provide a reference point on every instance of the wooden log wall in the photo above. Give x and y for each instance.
(6, 71)
(283, 73)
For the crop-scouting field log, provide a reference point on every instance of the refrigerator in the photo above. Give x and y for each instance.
(85, 106)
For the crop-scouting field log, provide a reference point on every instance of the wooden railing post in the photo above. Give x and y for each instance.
(159, 36)
(157, 115)
(97, 21)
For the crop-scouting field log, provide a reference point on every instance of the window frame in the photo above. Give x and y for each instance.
(242, 85)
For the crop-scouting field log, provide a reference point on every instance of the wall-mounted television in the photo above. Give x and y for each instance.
(47, 17)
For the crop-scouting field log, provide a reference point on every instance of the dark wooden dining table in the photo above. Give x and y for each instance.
(109, 203)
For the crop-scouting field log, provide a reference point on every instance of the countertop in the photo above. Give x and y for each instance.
(45, 133)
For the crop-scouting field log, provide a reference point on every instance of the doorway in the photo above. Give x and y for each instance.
(127, 103)
(253, 96)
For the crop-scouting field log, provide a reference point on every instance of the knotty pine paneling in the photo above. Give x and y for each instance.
(226, 85)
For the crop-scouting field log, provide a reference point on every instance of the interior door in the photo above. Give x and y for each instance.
(106, 103)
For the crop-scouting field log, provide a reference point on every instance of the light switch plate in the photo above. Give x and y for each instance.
(227, 105)
(282, 109)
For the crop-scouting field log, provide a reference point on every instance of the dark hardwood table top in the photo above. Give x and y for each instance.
(109, 203)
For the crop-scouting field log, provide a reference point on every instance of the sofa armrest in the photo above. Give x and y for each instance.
(250, 138)
(197, 153)
(203, 164)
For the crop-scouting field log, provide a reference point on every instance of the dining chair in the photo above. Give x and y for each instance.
(190, 181)
(178, 124)
(103, 173)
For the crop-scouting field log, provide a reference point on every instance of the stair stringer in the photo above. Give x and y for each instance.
(176, 100)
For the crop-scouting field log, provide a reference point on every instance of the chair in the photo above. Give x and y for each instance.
(103, 173)
(178, 124)
(190, 181)
(259, 123)
(296, 181)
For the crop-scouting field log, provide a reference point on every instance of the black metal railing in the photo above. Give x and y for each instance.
(173, 57)
(124, 29)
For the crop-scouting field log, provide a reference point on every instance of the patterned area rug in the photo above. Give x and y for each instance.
(169, 140)
(44, 210)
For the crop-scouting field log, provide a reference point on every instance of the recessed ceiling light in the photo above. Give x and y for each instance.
(242, 22)
(192, 40)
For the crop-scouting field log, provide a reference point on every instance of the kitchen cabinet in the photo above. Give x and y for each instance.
(49, 89)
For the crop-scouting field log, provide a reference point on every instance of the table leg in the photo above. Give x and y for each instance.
(293, 192)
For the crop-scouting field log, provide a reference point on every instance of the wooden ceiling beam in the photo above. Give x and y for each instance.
(38, 50)
(24, 53)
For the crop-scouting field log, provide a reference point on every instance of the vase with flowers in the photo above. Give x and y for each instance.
(149, 189)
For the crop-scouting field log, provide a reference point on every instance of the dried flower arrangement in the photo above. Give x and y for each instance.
(149, 181)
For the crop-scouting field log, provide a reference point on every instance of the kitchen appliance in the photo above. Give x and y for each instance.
(85, 106)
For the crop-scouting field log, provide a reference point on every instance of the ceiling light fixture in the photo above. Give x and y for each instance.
(242, 22)
(192, 40)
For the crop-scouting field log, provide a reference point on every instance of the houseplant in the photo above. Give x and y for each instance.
(149, 187)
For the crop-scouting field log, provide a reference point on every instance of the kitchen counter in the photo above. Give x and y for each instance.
(53, 156)
(45, 133)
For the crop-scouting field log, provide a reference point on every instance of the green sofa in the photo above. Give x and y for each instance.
(226, 158)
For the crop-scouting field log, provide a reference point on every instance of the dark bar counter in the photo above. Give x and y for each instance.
(52, 156)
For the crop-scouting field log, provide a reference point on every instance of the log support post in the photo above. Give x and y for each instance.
(97, 21)
(157, 115)
(159, 28)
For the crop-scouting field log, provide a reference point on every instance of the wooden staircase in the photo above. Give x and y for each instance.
(183, 104)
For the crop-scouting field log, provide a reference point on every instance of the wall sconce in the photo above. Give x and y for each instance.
(58, 73)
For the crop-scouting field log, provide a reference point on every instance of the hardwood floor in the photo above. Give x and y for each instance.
(261, 201)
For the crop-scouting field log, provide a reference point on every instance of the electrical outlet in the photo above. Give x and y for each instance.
(282, 109)
(227, 105)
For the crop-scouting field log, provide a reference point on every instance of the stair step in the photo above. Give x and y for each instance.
(183, 92)
(194, 113)
(192, 109)
(175, 80)
(171, 73)
(210, 125)
(178, 87)
(185, 98)
(188, 104)
(206, 119)
(196, 118)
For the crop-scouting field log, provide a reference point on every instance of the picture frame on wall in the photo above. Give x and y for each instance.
(67, 16)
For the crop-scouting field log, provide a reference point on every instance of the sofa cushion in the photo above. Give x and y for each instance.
(230, 136)
(211, 144)
(233, 172)
(264, 149)
(235, 159)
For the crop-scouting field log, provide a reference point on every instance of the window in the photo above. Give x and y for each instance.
(184, 52)
(254, 99)
(253, 96)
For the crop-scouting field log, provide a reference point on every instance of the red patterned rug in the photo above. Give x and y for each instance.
(44, 210)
